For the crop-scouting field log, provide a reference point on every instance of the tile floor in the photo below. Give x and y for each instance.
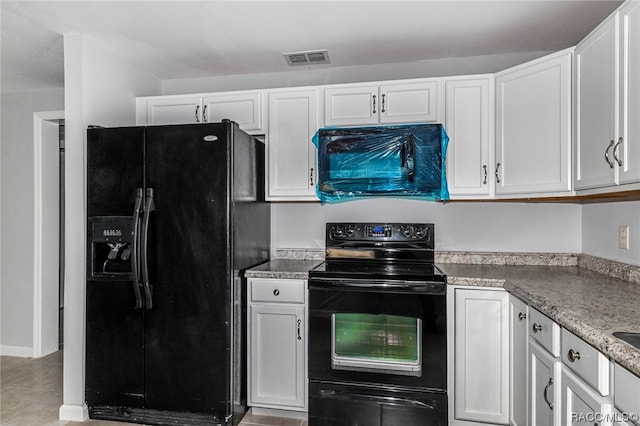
(31, 394)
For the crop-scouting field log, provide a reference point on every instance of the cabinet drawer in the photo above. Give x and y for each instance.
(626, 392)
(282, 291)
(543, 330)
(586, 361)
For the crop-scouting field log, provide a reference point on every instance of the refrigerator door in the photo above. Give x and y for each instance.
(188, 336)
(114, 334)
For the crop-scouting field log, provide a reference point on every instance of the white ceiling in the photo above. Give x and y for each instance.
(184, 39)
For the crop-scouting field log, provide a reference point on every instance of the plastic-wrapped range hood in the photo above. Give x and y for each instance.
(382, 161)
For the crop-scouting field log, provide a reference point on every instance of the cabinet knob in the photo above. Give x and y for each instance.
(522, 316)
(497, 171)
(299, 324)
(383, 110)
(484, 181)
(276, 292)
(374, 104)
(536, 327)
(573, 355)
(311, 176)
(197, 116)
(204, 114)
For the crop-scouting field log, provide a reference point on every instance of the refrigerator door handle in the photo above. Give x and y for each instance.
(135, 259)
(149, 207)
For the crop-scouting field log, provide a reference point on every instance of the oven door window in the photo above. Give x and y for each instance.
(376, 343)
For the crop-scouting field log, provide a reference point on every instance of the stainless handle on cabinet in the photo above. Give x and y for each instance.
(311, 176)
(606, 154)
(546, 390)
(374, 104)
(383, 96)
(497, 176)
(536, 327)
(522, 316)
(484, 181)
(299, 324)
(276, 292)
(615, 152)
(197, 115)
(204, 114)
(573, 355)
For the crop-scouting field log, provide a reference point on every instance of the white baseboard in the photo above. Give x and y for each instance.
(21, 351)
(73, 413)
(258, 411)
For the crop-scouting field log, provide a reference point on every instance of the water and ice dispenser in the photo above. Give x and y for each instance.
(111, 245)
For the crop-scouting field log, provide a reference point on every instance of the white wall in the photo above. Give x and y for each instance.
(511, 227)
(600, 224)
(17, 239)
(100, 88)
(310, 76)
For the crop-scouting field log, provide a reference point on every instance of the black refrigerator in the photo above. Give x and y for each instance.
(174, 216)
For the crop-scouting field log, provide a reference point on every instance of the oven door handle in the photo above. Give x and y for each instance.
(388, 400)
(423, 287)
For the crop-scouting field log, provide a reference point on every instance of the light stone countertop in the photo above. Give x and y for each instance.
(591, 305)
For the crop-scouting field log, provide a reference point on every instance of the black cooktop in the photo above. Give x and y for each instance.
(379, 270)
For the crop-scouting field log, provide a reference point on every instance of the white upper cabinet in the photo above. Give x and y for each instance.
(291, 154)
(369, 104)
(533, 127)
(596, 106)
(243, 107)
(468, 122)
(161, 110)
(630, 92)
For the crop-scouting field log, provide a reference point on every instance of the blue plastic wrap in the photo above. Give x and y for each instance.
(397, 161)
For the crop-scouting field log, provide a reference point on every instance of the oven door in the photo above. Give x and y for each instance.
(378, 333)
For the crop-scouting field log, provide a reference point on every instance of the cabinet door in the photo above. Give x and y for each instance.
(518, 361)
(468, 124)
(581, 404)
(481, 359)
(291, 154)
(245, 108)
(409, 103)
(533, 127)
(277, 362)
(630, 93)
(352, 105)
(596, 103)
(174, 110)
(544, 389)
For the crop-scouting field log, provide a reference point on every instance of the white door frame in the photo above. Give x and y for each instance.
(43, 343)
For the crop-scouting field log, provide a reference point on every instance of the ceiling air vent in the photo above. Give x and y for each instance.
(307, 58)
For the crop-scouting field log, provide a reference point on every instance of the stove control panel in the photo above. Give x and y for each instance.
(391, 232)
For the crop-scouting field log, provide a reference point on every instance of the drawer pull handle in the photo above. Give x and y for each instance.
(522, 316)
(299, 323)
(573, 355)
(545, 394)
(276, 292)
(536, 327)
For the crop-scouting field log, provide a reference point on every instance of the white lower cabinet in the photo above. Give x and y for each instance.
(544, 386)
(480, 346)
(581, 404)
(277, 344)
(519, 344)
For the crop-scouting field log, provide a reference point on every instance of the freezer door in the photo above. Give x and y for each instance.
(187, 337)
(114, 333)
